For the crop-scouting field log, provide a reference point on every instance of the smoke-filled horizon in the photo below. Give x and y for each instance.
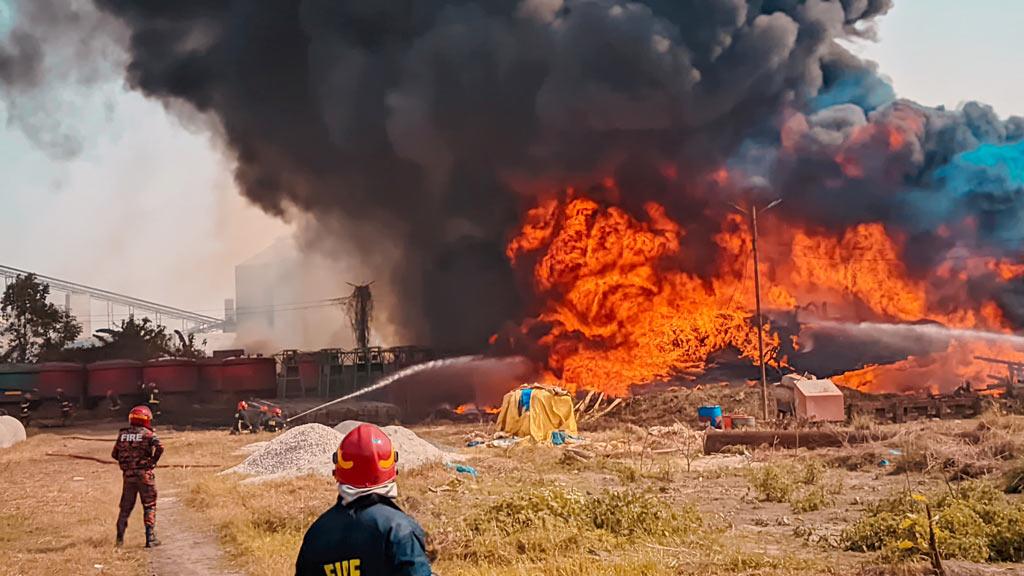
(419, 133)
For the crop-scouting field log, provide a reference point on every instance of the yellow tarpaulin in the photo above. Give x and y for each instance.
(549, 410)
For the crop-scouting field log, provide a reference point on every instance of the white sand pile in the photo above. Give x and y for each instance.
(307, 449)
(11, 431)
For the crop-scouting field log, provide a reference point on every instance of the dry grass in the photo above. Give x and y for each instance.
(52, 522)
(628, 510)
(261, 526)
(528, 514)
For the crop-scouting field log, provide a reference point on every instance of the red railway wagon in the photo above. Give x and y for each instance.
(211, 371)
(309, 372)
(67, 376)
(257, 376)
(122, 377)
(172, 375)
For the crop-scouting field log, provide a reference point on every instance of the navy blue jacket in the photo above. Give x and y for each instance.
(369, 537)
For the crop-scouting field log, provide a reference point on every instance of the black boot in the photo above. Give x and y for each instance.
(151, 539)
(120, 539)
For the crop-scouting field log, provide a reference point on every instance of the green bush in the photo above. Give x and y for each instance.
(772, 483)
(975, 523)
(802, 486)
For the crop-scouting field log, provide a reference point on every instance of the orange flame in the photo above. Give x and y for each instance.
(623, 311)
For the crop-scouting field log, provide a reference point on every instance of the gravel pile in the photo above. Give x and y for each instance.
(307, 449)
(413, 451)
(11, 431)
(302, 450)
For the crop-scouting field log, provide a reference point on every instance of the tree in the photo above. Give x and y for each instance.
(188, 347)
(32, 325)
(134, 339)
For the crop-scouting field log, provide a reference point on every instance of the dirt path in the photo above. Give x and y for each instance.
(187, 549)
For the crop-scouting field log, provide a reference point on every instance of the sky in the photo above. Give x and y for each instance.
(149, 207)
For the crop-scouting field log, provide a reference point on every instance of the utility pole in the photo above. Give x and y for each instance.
(757, 302)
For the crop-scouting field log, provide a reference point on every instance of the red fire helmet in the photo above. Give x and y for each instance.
(275, 412)
(242, 405)
(263, 408)
(140, 416)
(365, 458)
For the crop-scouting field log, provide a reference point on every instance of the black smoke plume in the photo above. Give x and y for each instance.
(431, 125)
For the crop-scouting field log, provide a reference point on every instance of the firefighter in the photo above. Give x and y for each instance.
(65, 407)
(241, 418)
(137, 451)
(275, 422)
(153, 399)
(264, 415)
(365, 532)
(26, 408)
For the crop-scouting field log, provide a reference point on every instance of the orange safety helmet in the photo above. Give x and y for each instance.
(140, 416)
(365, 458)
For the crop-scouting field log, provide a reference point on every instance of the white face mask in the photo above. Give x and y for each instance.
(350, 493)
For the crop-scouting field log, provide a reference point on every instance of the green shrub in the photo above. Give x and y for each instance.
(810, 499)
(772, 483)
(802, 486)
(975, 523)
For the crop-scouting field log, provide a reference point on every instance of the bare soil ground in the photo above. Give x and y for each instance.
(60, 512)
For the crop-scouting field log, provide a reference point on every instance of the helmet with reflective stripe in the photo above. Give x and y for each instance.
(140, 416)
(365, 458)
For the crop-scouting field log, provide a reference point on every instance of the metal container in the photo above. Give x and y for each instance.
(211, 372)
(257, 376)
(172, 375)
(740, 422)
(17, 379)
(121, 377)
(309, 372)
(67, 376)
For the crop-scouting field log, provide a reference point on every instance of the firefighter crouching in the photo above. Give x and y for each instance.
(241, 419)
(275, 422)
(137, 451)
(365, 533)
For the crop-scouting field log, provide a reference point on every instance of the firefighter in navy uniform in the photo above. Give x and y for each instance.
(275, 422)
(241, 418)
(137, 451)
(365, 533)
(25, 408)
(153, 399)
(65, 407)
